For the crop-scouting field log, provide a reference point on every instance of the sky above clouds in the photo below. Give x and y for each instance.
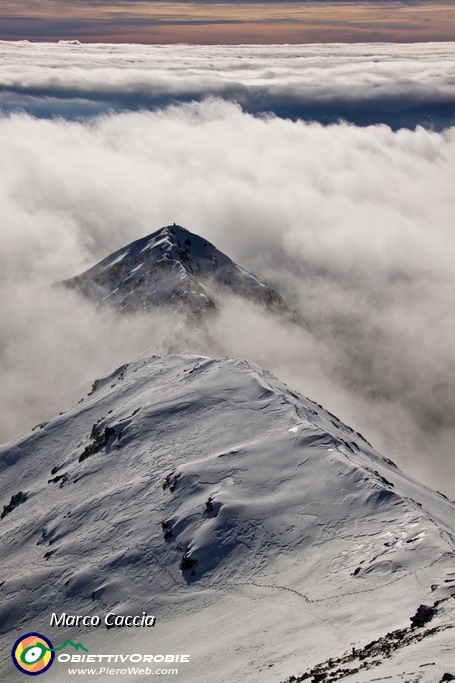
(273, 21)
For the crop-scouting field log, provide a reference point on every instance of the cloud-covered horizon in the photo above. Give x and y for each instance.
(354, 227)
(401, 86)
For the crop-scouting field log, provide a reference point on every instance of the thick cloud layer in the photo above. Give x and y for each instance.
(354, 226)
(401, 86)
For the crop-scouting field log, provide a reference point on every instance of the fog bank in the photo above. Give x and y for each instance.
(354, 227)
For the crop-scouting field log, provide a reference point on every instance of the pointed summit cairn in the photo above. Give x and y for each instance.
(174, 267)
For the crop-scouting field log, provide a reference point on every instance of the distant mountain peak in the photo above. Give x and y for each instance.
(174, 267)
(169, 240)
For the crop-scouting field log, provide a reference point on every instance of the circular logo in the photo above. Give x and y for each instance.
(31, 654)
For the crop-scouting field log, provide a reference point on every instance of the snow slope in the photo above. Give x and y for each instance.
(300, 541)
(173, 267)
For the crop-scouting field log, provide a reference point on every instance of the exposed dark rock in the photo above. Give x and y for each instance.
(62, 478)
(99, 441)
(171, 481)
(187, 562)
(424, 614)
(95, 386)
(16, 500)
(167, 529)
(108, 432)
(372, 654)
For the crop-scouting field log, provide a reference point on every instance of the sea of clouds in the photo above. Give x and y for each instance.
(352, 224)
(399, 85)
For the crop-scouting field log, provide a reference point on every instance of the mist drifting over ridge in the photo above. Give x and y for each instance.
(353, 226)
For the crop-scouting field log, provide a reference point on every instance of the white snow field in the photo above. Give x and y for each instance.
(300, 540)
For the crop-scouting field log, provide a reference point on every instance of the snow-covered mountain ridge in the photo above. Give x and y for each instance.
(265, 534)
(173, 267)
